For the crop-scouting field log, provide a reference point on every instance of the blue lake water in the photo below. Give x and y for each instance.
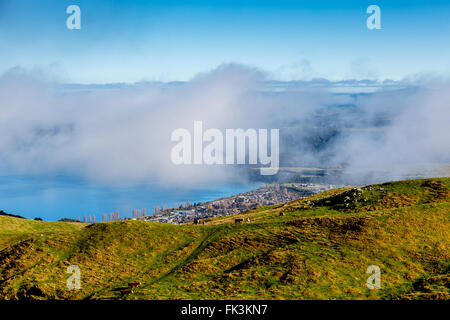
(65, 198)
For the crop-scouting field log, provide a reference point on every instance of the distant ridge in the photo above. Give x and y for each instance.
(3, 213)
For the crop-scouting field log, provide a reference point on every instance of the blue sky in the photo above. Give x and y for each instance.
(129, 41)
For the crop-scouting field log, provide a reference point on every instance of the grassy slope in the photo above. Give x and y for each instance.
(319, 249)
(13, 229)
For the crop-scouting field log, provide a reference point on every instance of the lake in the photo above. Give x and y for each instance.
(67, 198)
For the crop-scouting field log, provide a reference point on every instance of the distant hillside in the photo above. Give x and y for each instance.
(318, 247)
(3, 213)
(13, 230)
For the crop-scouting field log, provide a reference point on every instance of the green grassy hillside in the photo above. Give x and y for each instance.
(13, 230)
(318, 248)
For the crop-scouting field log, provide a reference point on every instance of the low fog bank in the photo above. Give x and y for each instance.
(115, 134)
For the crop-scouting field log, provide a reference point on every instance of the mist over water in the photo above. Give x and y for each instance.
(111, 135)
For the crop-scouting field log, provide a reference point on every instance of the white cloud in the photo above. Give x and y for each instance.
(121, 133)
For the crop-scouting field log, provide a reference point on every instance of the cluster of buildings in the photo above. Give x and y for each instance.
(267, 194)
(263, 196)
